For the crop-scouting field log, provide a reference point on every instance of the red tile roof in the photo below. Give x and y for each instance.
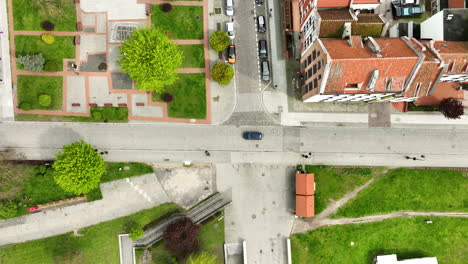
(391, 48)
(333, 3)
(442, 91)
(451, 46)
(455, 54)
(456, 3)
(305, 205)
(305, 184)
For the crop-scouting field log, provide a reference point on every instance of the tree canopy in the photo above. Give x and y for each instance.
(181, 237)
(222, 73)
(219, 40)
(150, 59)
(78, 168)
(451, 108)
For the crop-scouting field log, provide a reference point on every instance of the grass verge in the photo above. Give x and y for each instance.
(411, 190)
(31, 87)
(29, 15)
(406, 237)
(62, 48)
(97, 245)
(107, 114)
(182, 22)
(194, 56)
(189, 93)
(333, 183)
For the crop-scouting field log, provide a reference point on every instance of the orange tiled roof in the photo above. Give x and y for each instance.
(455, 54)
(333, 3)
(305, 205)
(391, 48)
(451, 46)
(305, 184)
(442, 91)
(456, 3)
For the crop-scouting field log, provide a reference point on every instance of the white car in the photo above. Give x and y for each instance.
(229, 7)
(230, 29)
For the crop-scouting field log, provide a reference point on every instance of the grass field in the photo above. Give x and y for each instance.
(194, 56)
(108, 114)
(334, 183)
(31, 87)
(97, 245)
(189, 93)
(406, 237)
(29, 15)
(211, 238)
(412, 190)
(54, 54)
(183, 22)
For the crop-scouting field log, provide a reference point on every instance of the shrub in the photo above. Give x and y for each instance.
(167, 97)
(8, 209)
(50, 66)
(219, 40)
(166, 7)
(25, 106)
(97, 115)
(40, 170)
(181, 237)
(32, 63)
(451, 108)
(78, 168)
(202, 258)
(45, 100)
(136, 233)
(48, 38)
(222, 73)
(48, 26)
(150, 59)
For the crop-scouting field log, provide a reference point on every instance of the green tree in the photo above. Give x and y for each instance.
(78, 168)
(150, 59)
(222, 73)
(202, 258)
(45, 100)
(219, 40)
(136, 232)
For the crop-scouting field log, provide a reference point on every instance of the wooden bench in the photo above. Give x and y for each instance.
(92, 104)
(79, 26)
(107, 104)
(140, 104)
(122, 105)
(76, 104)
(77, 40)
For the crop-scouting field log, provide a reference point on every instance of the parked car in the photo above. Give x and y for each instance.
(265, 71)
(262, 49)
(399, 11)
(261, 27)
(409, 2)
(229, 7)
(230, 29)
(252, 135)
(258, 2)
(232, 54)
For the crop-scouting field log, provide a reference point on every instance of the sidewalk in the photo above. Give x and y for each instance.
(6, 95)
(121, 198)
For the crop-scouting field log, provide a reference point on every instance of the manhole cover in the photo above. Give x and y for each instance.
(254, 216)
(217, 10)
(122, 31)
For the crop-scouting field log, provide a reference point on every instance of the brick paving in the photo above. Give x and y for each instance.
(99, 28)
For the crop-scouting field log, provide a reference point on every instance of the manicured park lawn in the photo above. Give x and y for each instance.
(97, 245)
(194, 56)
(29, 14)
(182, 22)
(31, 87)
(334, 183)
(189, 93)
(211, 238)
(62, 48)
(445, 239)
(411, 190)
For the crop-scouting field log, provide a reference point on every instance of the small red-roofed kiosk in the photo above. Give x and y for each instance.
(305, 190)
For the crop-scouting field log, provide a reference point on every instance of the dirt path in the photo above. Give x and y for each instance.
(322, 219)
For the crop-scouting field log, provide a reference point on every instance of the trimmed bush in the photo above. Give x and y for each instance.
(48, 26)
(25, 106)
(166, 7)
(97, 115)
(167, 97)
(48, 38)
(136, 233)
(32, 63)
(219, 41)
(8, 209)
(222, 73)
(45, 100)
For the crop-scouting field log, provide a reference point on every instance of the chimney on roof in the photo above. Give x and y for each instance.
(346, 31)
(374, 46)
(373, 80)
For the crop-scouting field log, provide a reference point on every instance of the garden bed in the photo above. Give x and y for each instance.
(107, 114)
(31, 87)
(182, 22)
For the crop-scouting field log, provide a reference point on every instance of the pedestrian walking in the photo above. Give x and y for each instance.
(423, 157)
(407, 157)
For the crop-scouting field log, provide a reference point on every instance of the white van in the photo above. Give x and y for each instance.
(230, 29)
(409, 2)
(229, 7)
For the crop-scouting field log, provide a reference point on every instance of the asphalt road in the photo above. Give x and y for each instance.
(158, 142)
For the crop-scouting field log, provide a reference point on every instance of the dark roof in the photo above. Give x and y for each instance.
(456, 29)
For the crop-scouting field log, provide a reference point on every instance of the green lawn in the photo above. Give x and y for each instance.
(183, 22)
(29, 14)
(189, 93)
(62, 48)
(31, 87)
(194, 56)
(366, 30)
(211, 238)
(98, 245)
(108, 114)
(411, 190)
(406, 237)
(334, 183)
